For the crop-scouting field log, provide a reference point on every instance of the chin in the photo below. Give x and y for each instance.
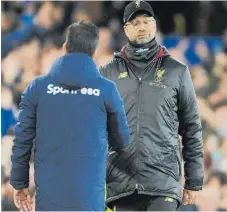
(143, 40)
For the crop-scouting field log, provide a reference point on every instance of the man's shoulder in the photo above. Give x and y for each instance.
(38, 83)
(178, 69)
(39, 80)
(175, 64)
(110, 66)
(106, 82)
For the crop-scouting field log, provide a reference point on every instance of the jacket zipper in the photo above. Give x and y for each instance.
(137, 125)
(138, 105)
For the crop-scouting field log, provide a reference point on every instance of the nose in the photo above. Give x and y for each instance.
(142, 27)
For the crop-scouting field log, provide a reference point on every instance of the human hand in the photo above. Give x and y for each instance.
(22, 199)
(189, 197)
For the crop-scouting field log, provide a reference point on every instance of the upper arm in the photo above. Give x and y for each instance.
(113, 100)
(27, 112)
(24, 132)
(117, 126)
(188, 108)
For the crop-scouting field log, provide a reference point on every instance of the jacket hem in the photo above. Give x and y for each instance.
(161, 194)
(111, 199)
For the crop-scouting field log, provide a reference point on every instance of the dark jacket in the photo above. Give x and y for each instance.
(159, 107)
(68, 112)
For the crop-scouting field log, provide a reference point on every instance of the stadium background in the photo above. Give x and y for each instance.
(194, 33)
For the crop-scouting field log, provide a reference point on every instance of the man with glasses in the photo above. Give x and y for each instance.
(160, 105)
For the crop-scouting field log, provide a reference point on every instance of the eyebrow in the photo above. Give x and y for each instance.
(144, 15)
(147, 18)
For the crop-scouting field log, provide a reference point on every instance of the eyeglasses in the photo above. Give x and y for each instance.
(137, 23)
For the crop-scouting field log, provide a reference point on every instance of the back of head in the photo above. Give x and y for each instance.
(76, 68)
(82, 37)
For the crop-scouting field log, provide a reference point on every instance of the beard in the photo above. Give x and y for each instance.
(144, 40)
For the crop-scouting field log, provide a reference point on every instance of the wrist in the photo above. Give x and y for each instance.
(193, 184)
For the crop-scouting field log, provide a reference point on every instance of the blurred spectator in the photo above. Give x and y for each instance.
(8, 21)
(6, 145)
(210, 197)
(178, 51)
(201, 81)
(105, 48)
(81, 14)
(7, 114)
(223, 202)
(49, 54)
(222, 165)
(205, 55)
(93, 8)
(219, 97)
(7, 190)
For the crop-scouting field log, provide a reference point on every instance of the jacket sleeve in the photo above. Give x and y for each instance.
(117, 127)
(24, 133)
(191, 131)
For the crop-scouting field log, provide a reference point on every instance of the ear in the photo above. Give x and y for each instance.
(126, 30)
(95, 54)
(155, 26)
(65, 48)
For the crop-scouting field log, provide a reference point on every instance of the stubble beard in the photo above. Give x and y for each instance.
(143, 40)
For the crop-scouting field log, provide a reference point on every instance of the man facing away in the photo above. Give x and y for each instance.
(68, 112)
(160, 105)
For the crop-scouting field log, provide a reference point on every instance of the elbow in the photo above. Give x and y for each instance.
(124, 139)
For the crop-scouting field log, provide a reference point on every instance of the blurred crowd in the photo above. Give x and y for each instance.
(32, 38)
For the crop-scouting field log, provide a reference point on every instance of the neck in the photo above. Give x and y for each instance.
(141, 55)
(136, 45)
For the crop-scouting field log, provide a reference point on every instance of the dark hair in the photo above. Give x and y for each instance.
(82, 36)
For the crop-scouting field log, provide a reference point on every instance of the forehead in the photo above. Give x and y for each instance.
(141, 17)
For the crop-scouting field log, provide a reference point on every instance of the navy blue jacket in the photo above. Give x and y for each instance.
(71, 113)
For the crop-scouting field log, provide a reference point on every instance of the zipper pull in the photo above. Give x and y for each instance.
(136, 186)
(139, 79)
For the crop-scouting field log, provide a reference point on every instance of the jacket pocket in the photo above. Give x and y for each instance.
(170, 163)
(170, 116)
(110, 163)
